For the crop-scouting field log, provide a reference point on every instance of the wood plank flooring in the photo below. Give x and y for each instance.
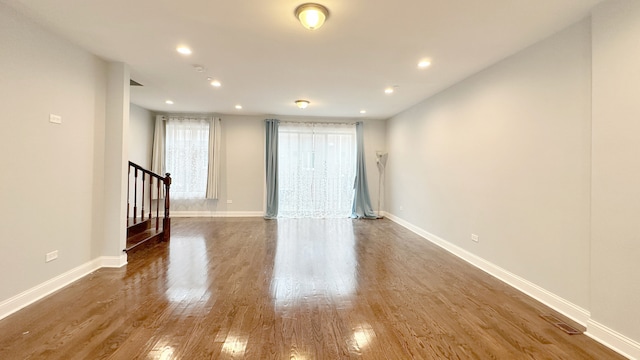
(250, 288)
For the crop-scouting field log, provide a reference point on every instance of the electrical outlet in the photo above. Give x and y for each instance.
(51, 256)
(474, 238)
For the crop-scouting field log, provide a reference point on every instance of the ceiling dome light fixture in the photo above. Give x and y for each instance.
(302, 104)
(311, 15)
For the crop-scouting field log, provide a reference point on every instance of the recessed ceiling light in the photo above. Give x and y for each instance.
(363, 111)
(183, 50)
(169, 102)
(424, 64)
(389, 90)
(238, 107)
(216, 83)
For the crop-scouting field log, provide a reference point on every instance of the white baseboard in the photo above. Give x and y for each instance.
(15, 303)
(554, 301)
(613, 340)
(608, 337)
(113, 261)
(181, 214)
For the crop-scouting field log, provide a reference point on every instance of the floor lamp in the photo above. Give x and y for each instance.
(381, 161)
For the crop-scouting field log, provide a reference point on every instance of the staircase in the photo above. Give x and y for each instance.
(147, 188)
(148, 232)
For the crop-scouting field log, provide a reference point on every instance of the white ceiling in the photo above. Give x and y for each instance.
(265, 59)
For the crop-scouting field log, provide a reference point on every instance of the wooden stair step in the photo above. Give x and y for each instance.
(149, 236)
(137, 226)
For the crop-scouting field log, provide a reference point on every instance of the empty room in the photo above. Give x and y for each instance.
(249, 179)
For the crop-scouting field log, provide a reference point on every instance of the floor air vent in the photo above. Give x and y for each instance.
(561, 325)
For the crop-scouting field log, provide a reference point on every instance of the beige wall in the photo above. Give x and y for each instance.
(615, 245)
(50, 174)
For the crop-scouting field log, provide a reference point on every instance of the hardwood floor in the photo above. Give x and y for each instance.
(290, 289)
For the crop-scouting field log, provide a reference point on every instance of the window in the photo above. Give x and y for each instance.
(316, 169)
(187, 157)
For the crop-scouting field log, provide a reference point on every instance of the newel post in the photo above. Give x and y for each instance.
(166, 224)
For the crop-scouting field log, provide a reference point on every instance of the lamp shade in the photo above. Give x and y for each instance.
(312, 16)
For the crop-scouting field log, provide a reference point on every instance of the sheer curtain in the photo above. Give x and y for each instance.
(157, 156)
(187, 156)
(316, 169)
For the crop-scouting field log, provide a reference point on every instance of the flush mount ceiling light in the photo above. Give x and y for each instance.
(169, 102)
(238, 107)
(311, 15)
(302, 104)
(216, 83)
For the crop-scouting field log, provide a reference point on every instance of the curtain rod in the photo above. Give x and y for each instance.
(318, 122)
(199, 117)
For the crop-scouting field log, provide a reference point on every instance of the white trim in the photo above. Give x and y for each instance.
(113, 261)
(604, 335)
(548, 298)
(181, 214)
(613, 340)
(28, 297)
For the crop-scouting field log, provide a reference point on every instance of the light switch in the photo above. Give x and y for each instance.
(56, 119)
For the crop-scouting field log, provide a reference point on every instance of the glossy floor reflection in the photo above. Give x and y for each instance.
(290, 289)
(188, 270)
(315, 263)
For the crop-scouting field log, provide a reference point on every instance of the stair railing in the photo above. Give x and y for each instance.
(162, 191)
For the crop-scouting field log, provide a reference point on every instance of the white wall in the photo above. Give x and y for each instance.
(50, 172)
(615, 246)
(116, 161)
(141, 126)
(505, 155)
(242, 165)
(538, 155)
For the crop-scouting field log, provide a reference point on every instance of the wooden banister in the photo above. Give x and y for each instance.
(167, 205)
(163, 187)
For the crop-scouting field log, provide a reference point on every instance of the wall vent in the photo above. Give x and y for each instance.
(561, 325)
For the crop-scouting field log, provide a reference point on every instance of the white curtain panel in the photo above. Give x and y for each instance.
(213, 176)
(157, 159)
(187, 156)
(316, 169)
